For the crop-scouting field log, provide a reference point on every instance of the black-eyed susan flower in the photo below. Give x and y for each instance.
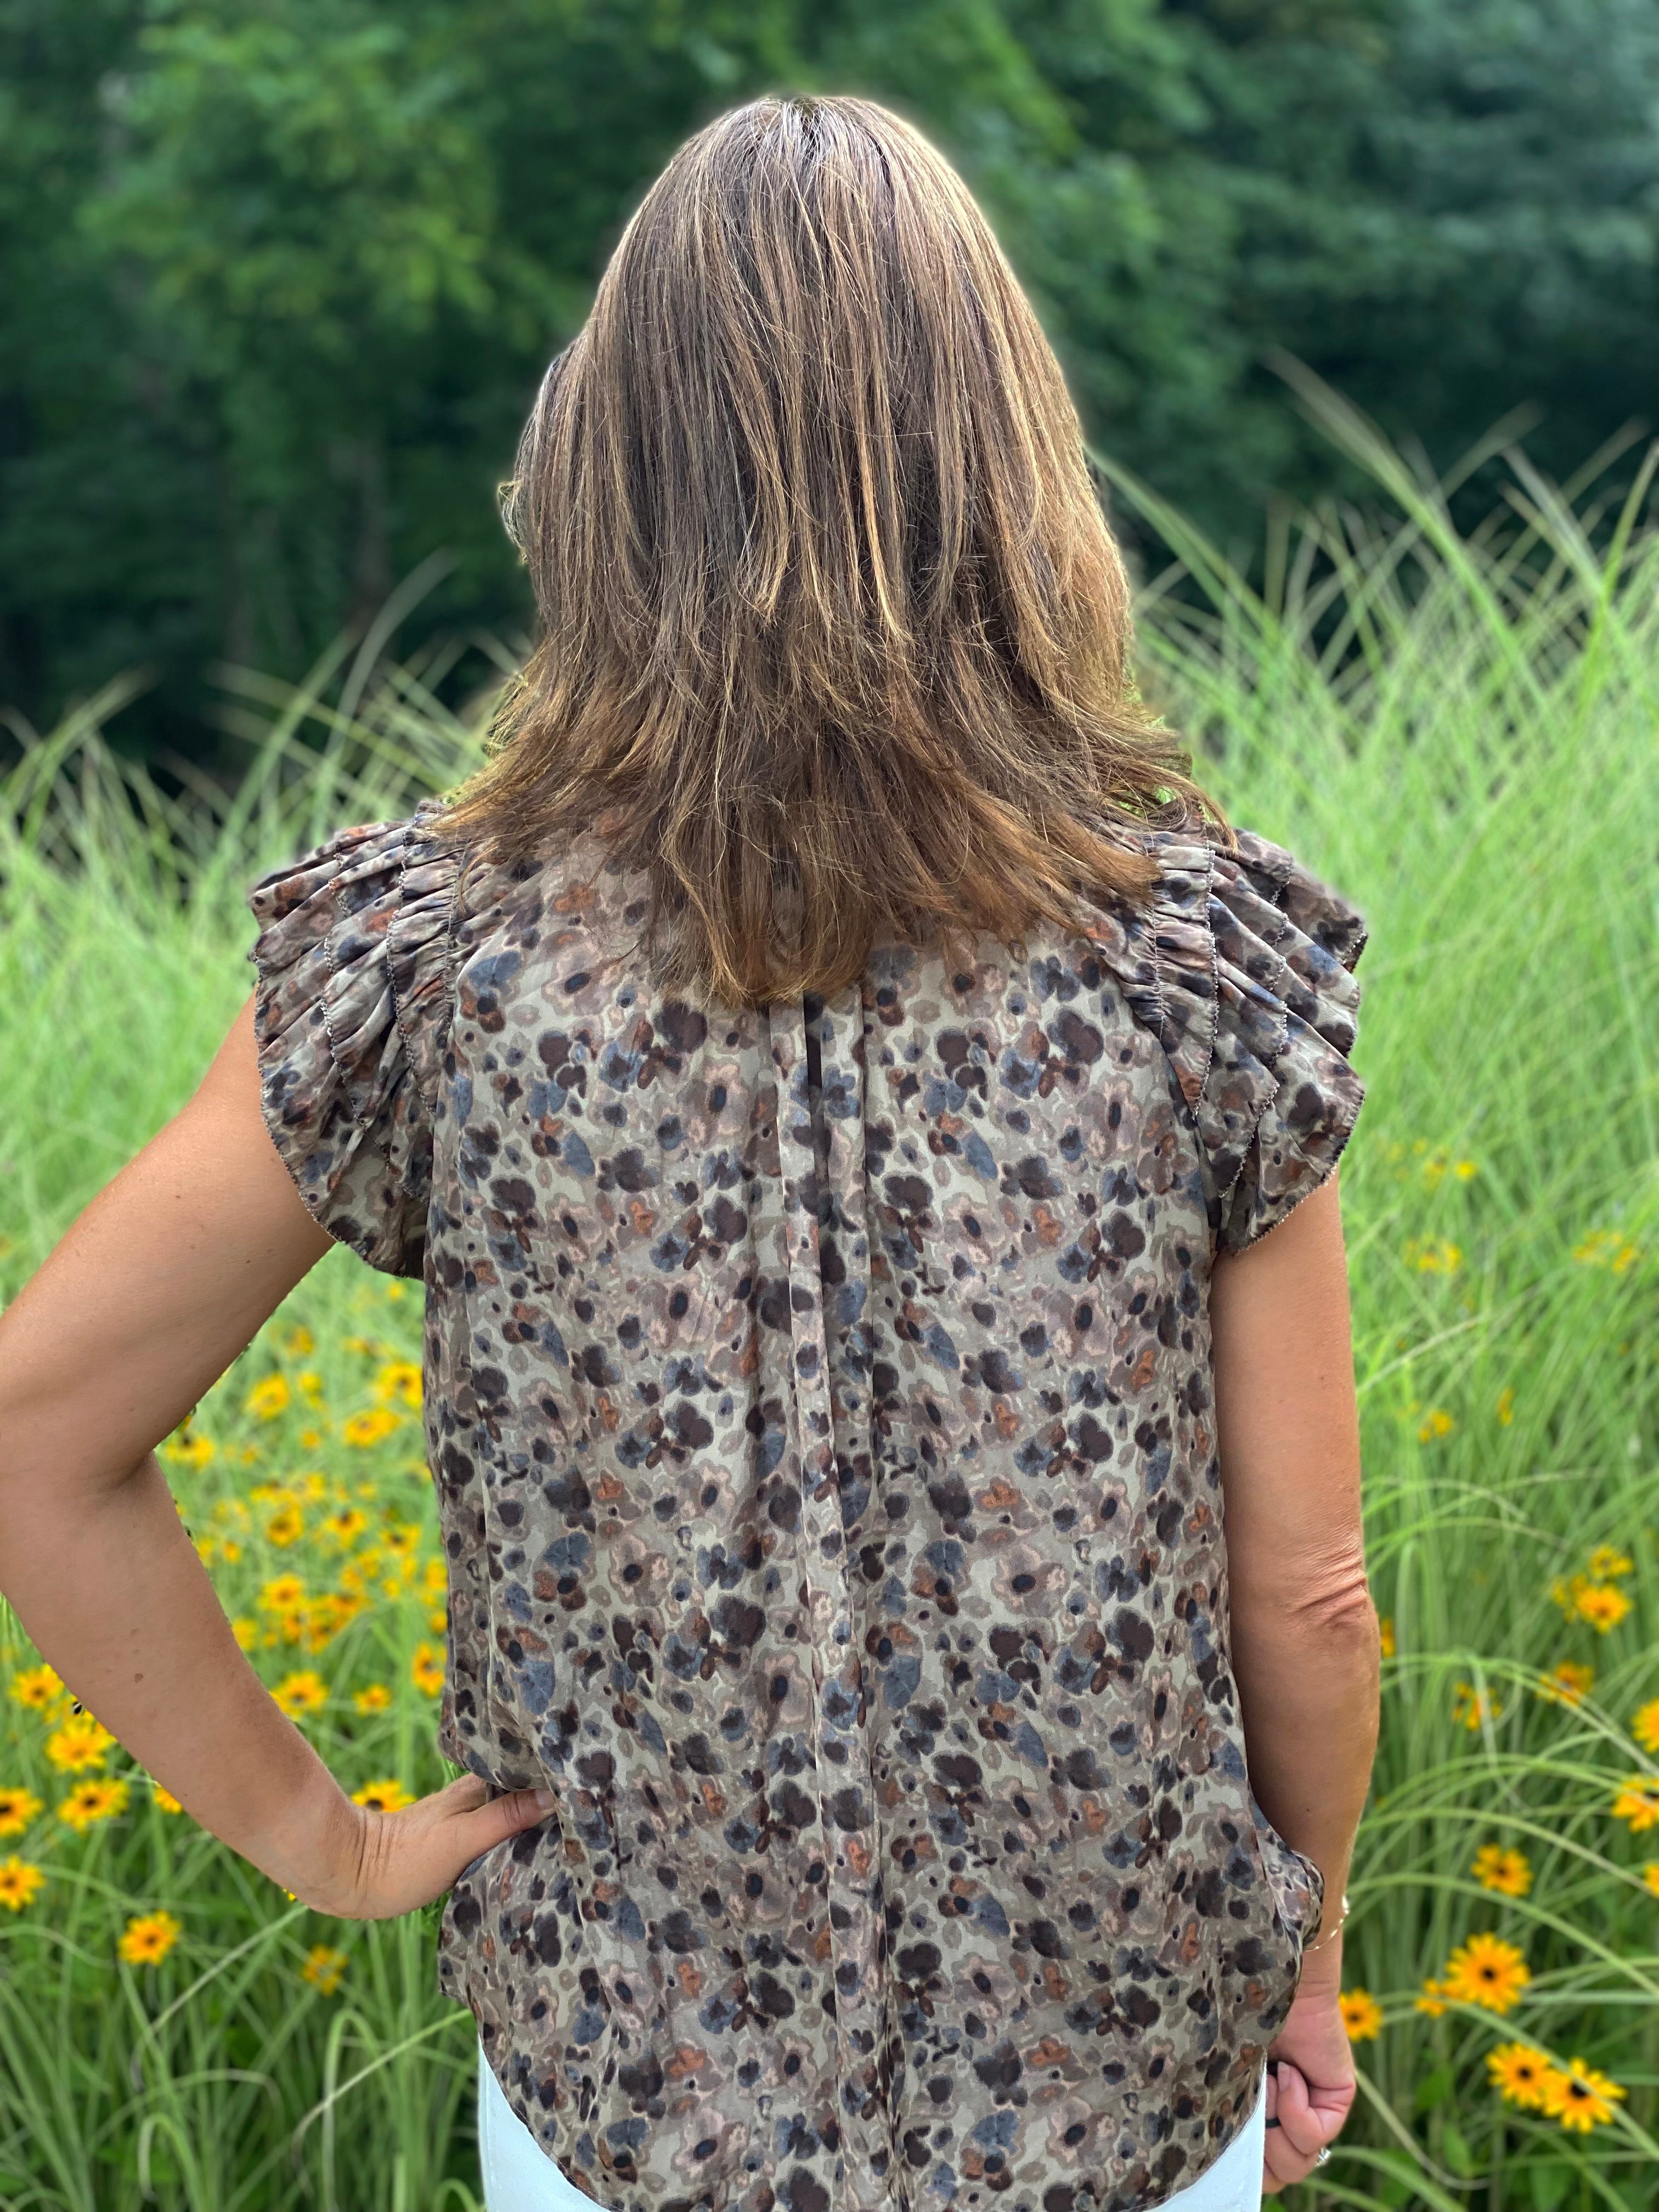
(281, 1594)
(268, 1398)
(1487, 1971)
(164, 1799)
(388, 1796)
(19, 1883)
(81, 1745)
(1500, 1868)
(1385, 1634)
(374, 1699)
(17, 1809)
(1436, 1423)
(1433, 1256)
(1362, 2015)
(285, 1527)
(90, 1802)
(189, 1448)
(426, 1670)
(1567, 1684)
(1608, 1248)
(1474, 1708)
(371, 1427)
(1645, 1725)
(297, 1341)
(300, 1693)
(346, 1524)
(323, 1967)
(310, 1439)
(366, 1348)
(309, 1383)
(1579, 2097)
(1518, 2072)
(1606, 1562)
(1504, 1408)
(1651, 1876)
(1604, 1604)
(245, 1632)
(148, 1937)
(1638, 1802)
(38, 1689)
(1434, 1999)
(399, 1379)
(401, 1537)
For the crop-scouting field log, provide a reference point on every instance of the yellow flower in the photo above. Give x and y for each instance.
(1569, 1684)
(245, 1632)
(382, 1797)
(1606, 1248)
(311, 1386)
(149, 1936)
(300, 1693)
(364, 1429)
(1644, 1727)
(17, 1809)
(39, 1688)
(1464, 1168)
(1437, 1423)
(1607, 1560)
(346, 1524)
(310, 1439)
(281, 1594)
(399, 1379)
(426, 1670)
(165, 1799)
(188, 1450)
(1362, 2015)
(1474, 1708)
(1505, 1870)
(374, 1700)
(438, 1620)
(91, 1801)
(1567, 1593)
(1650, 1876)
(394, 1290)
(81, 1744)
(1604, 1605)
(1434, 1999)
(1487, 1971)
(367, 1346)
(1518, 2072)
(1507, 1405)
(285, 1527)
(19, 1883)
(323, 1966)
(1385, 1634)
(1580, 2097)
(1433, 1256)
(1638, 1802)
(268, 1398)
(401, 1536)
(299, 1341)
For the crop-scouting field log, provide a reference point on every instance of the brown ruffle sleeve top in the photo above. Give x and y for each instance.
(818, 1402)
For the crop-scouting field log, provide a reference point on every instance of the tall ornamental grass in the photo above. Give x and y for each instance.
(1458, 730)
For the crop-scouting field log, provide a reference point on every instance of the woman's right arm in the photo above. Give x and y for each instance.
(1304, 1635)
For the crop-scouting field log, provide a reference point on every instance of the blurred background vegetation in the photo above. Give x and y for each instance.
(278, 277)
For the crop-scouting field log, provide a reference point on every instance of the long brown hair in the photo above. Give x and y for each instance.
(834, 638)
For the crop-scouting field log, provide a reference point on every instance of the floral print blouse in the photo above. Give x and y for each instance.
(818, 1402)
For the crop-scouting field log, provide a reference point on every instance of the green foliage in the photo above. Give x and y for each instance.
(277, 281)
(1457, 730)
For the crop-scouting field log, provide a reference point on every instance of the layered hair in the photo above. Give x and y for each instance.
(834, 636)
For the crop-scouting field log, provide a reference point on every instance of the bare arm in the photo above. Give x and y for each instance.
(155, 1289)
(1304, 1637)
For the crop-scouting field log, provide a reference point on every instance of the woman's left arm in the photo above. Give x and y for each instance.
(162, 1281)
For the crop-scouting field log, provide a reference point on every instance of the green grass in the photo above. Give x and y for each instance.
(1460, 733)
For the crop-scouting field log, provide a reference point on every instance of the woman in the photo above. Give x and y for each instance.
(836, 1074)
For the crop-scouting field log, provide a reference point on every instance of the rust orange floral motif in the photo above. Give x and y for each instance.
(818, 1401)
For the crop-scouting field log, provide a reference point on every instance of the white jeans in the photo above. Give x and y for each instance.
(520, 2177)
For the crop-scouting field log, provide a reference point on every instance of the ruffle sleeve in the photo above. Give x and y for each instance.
(351, 1001)
(1257, 1002)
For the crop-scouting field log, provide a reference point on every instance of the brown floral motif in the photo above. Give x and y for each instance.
(818, 1402)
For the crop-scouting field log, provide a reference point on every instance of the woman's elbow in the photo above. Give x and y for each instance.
(1330, 1609)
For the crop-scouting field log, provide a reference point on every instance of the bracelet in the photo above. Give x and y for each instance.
(1325, 1934)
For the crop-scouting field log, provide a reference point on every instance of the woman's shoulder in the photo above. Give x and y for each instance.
(1256, 1003)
